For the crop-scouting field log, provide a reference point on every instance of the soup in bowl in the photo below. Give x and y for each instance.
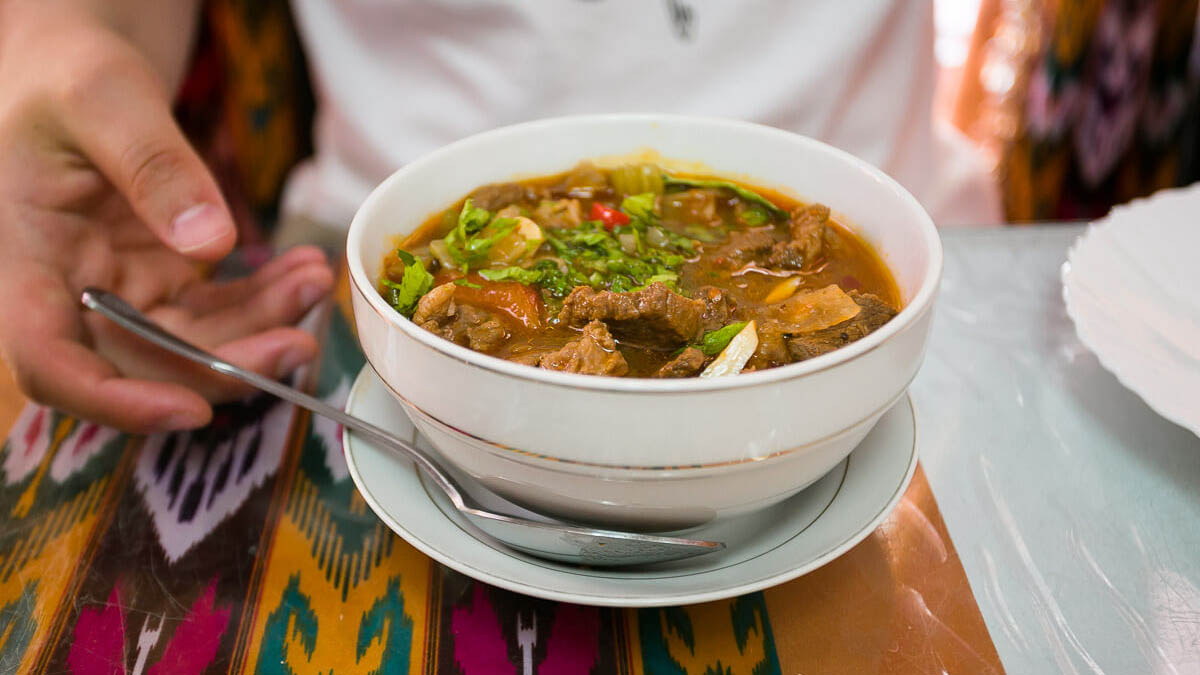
(633, 272)
(639, 320)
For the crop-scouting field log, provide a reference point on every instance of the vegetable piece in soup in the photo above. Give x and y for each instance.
(632, 271)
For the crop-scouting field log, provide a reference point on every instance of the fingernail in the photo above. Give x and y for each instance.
(309, 294)
(198, 226)
(291, 360)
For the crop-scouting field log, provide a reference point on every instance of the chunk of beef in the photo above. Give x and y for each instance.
(807, 228)
(558, 213)
(654, 316)
(461, 324)
(747, 246)
(689, 207)
(594, 353)
(438, 302)
(809, 221)
(484, 332)
(772, 350)
(873, 314)
(585, 181)
(499, 195)
(787, 255)
(687, 364)
(718, 307)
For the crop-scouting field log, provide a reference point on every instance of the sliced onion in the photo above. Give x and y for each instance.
(442, 252)
(628, 243)
(656, 238)
(523, 241)
(815, 310)
(733, 358)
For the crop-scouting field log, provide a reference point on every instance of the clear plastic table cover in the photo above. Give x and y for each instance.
(1075, 508)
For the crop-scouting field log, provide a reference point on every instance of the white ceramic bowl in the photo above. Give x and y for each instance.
(652, 454)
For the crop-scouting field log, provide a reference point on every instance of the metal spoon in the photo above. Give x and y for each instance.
(554, 540)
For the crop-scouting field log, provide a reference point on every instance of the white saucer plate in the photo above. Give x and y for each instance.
(1130, 285)
(764, 548)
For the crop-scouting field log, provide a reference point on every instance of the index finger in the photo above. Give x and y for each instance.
(45, 352)
(66, 375)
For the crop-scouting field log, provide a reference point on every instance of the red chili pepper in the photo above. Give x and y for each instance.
(608, 215)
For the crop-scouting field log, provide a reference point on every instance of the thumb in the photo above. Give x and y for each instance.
(121, 120)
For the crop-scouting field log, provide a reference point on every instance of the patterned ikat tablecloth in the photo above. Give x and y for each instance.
(244, 547)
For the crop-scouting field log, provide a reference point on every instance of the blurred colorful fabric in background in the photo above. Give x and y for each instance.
(1090, 102)
(248, 106)
(1087, 103)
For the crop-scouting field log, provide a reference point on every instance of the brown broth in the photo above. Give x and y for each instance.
(852, 264)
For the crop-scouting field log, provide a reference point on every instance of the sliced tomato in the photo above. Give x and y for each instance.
(518, 301)
(608, 215)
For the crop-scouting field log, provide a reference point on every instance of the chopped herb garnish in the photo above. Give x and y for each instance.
(594, 257)
(545, 273)
(468, 284)
(680, 242)
(414, 284)
(474, 234)
(520, 274)
(639, 206)
(587, 255)
(477, 246)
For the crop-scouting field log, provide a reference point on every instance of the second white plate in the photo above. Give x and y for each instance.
(1130, 285)
(764, 548)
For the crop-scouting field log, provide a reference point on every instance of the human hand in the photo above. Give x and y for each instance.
(98, 187)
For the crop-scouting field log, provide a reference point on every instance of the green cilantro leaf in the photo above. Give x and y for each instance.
(518, 274)
(414, 284)
(474, 234)
(405, 257)
(480, 243)
(545, 273)
(590, 255)
(640, 206)
(472, 219)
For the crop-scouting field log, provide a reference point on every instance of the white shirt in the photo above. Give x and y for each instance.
(398, 78)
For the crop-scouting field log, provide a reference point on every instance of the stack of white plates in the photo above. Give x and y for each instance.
(1132, 286)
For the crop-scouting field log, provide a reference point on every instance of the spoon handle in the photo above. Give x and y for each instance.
(124, 315)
